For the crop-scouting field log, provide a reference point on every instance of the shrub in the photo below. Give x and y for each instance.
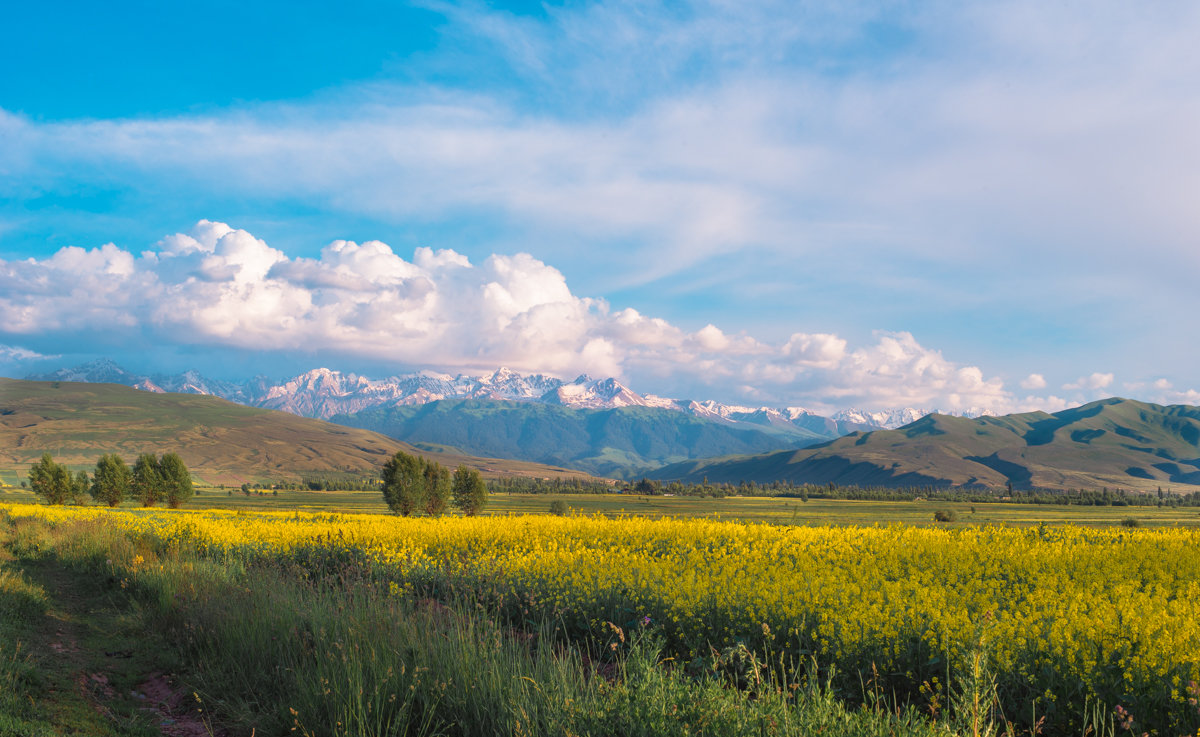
(944, 515)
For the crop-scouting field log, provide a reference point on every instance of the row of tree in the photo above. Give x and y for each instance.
(412, 485)
(151, 481)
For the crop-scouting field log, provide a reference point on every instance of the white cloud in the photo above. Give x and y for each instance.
(1092, 382)
(222, 287)
(1034, 381)
(17, 354)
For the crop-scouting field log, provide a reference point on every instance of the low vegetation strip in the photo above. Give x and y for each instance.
(1066, 618)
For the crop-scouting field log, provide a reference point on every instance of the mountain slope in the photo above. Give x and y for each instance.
(625, 441)
(1114, 442)
(221, 442)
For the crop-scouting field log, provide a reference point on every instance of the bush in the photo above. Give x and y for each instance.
(559, 507)
(1131, 522)
(944, 515)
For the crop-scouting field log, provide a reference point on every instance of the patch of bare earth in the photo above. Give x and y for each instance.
(177, 713)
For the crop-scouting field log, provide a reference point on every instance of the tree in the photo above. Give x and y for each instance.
(147, 480)
(112, 480)
(50, 480)
(404, 483)
(469, 491)
(437, 488)
(177, 481)
(79, 488)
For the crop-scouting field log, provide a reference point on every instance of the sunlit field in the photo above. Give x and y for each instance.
(1058, 619)
(774, 510)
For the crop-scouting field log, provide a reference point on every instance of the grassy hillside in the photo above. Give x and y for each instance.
(622, 442)
(1114, 442)
(222, 442)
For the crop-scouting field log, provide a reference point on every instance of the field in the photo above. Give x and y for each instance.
(773, 510)
(1061, 622)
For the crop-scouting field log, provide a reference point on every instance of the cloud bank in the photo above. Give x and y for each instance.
(222, 287)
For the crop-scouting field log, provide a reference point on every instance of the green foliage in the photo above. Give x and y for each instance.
(51, 481)
(79, 488)
(945, 515)
(470, 492)
(148, 487)
(412, 484)
(177, 482)
(112, 480)
(559, 507)
(437, 488)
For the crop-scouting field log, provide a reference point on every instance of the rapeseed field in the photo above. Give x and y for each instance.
(1064, 617)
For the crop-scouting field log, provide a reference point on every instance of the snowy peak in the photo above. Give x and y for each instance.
(324, 392)
(584, 393)
(888, 419)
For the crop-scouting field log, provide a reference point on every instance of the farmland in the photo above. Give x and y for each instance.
(1044, 620)
(773, 510)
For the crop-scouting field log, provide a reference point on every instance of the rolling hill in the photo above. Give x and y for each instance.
(1113, 442)
(221, 442)
(624, 441)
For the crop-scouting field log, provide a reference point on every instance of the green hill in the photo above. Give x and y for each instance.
(1114, 442)
(623, 442)
(222, 442)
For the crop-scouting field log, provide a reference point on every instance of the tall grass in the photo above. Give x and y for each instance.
(337, 654)
(21, 603)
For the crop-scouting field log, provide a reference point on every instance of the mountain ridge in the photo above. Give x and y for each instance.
(323, 392)
(221, 441)
(1114, 442)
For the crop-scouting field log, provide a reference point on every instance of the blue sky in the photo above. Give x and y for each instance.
(874, 204)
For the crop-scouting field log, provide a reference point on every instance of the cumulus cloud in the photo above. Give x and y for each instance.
(221, 286)
(1034, 381)
(1092, 382)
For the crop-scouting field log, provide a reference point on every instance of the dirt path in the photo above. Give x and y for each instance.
(102, 671)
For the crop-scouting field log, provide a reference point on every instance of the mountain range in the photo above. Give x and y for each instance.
(599, 426)
(323, 393)
(1119, 443)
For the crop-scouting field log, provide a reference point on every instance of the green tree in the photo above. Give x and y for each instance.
(50, 480)
(177, 481)
(469, 491)
(147, 480)
(111, 481)
(404, 483)
(79, 488)
(437, 488)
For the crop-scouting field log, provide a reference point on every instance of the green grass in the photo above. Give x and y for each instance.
(771, 510)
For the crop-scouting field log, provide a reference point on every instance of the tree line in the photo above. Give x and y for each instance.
(413, 485)
(152, 480)
(805, 491)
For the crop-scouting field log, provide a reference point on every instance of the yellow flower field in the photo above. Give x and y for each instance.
(1065, 614)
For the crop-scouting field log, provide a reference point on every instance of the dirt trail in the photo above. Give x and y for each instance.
(103, 674)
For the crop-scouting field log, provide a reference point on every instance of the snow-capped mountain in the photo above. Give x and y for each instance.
(324, 393)
(888, 419)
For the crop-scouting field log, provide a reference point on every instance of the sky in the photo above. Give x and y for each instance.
(988, 205)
